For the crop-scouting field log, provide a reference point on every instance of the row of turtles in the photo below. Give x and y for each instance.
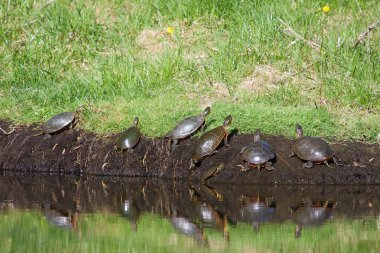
(259, 153)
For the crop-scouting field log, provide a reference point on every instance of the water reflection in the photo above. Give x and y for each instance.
(131, 213)
(311, 213)
(193, 209)
(185, 226)
(256, 210)
(60, 218)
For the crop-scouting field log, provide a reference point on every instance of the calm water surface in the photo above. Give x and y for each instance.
(41, 213)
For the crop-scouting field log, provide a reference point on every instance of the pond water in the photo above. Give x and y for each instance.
(48, 213)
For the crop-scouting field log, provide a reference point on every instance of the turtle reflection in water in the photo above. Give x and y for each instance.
(185, 226)
(60, 218)
(131, 213)
(209, 217)
(187, 127)
(312, 213)
(256, 210)
(312, 150)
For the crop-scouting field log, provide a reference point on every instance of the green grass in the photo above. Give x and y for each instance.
(117, 58)
(28, 231)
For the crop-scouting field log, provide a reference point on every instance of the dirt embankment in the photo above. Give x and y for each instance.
(79, 152)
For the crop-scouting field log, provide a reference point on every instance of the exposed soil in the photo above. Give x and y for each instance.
(79, 152)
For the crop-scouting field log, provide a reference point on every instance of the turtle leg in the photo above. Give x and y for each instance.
(308, 165)
(203, 126)
(130, 150)
(174, 144)
(259, 167)
(245, 167)
(292, 153)
(337, 161)
(226, 140)
(327, 163)
(214, 152)
(268, 166)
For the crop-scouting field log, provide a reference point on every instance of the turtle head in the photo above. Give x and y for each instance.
(136, 121)
(206, 111)
(256, 137)
(227, 121)
(299, 131)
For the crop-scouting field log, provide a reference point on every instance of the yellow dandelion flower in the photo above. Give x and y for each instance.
(326, 9)
(170, 30)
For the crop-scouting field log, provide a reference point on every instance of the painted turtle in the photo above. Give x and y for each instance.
(129, 138)
(311, 213)
(59, 122)
(257, 154)
(209, 141)
(312, 150)
(256, 210)
(187, 127)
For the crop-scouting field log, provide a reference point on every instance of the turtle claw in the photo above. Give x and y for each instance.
(337, 161)
(328, 165)
(244, 168)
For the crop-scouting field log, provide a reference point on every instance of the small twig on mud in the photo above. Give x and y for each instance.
(146, 153)
(64, 151)
(7, 133)
(290, 31)
(54, 146)
(362, 36)
(104, 165)
(283, 160)
(106, 156)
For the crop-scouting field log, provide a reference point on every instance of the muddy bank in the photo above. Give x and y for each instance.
(79, 152)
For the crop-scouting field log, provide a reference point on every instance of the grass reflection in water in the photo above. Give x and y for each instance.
(30, 231)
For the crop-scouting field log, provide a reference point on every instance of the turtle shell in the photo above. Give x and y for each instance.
(58, 122)
(258, 152)
(186, 127)
(312, 149)
(129, 138)
(208, 142)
